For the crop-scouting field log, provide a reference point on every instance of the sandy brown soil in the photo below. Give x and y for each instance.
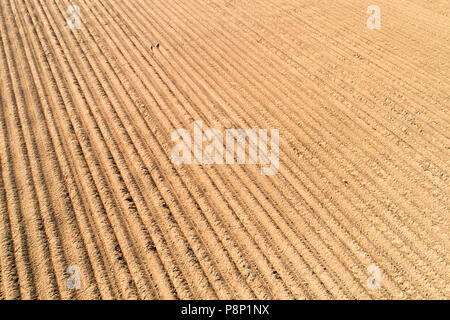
(87, 180)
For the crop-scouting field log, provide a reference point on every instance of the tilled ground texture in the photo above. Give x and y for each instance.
(92, 205)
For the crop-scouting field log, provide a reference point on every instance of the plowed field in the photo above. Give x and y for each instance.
(358, 208)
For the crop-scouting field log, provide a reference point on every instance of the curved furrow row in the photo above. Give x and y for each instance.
(140, 143)
(87, 178)
(168, 159)
(148, 245)
(24, 161)
(356, 55)
(82, 244)
(116, 180)
(395, 59)
(360, 55)
(68, 231)
(9, 279)
(79, 144)
(281, 89)
(356, 36)
(83, 214)
(342, 91)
